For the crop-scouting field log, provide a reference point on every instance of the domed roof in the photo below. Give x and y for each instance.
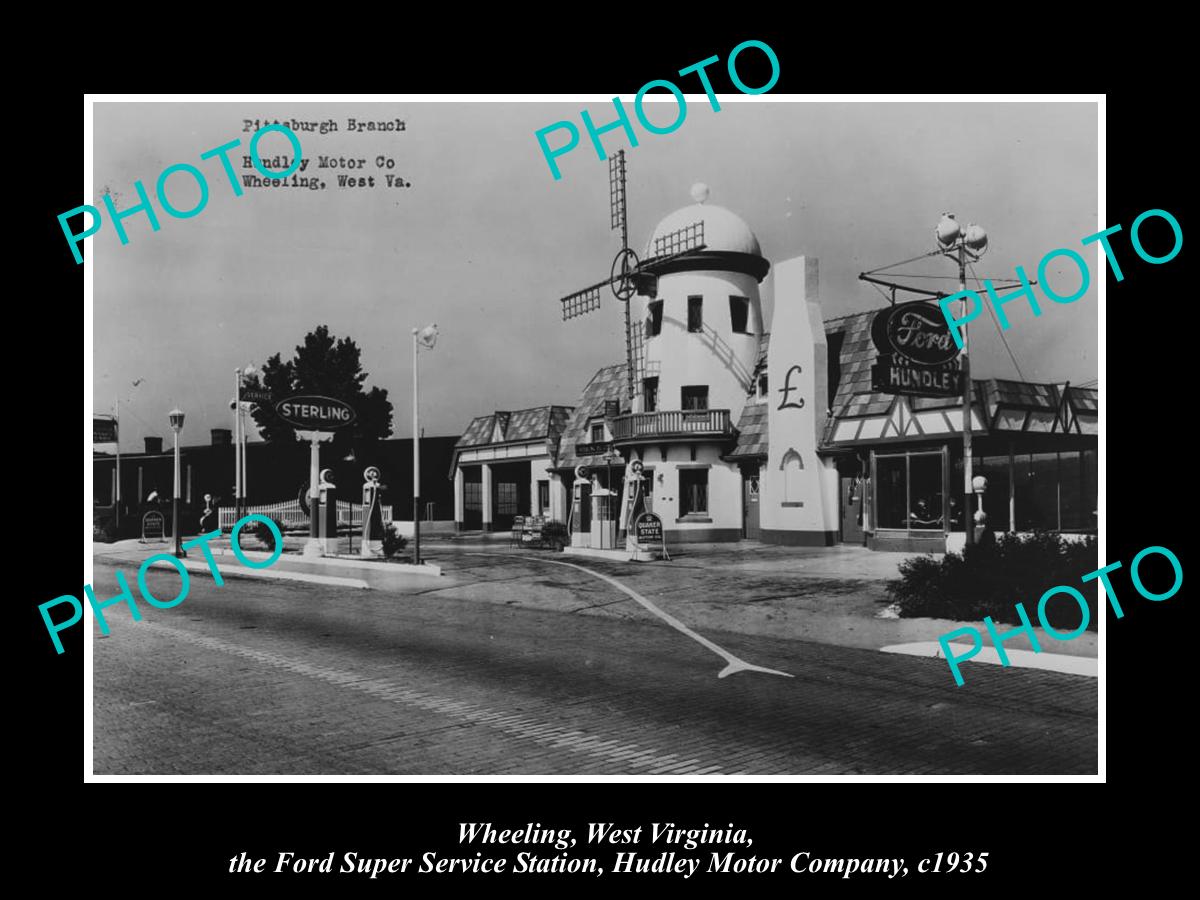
(724, 231)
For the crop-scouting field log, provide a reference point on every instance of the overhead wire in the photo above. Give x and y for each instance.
(903, 262)
(999, 330)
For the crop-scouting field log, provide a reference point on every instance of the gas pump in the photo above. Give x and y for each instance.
(633, 502)
(604, 517)
(372, 543)
(328, 513)
(581, 509)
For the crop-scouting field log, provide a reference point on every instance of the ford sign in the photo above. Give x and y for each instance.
(915, 331)
(314, 413)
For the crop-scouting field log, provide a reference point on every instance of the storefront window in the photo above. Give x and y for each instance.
(1035, 480)
(908, 492)
(1090, 478)
(891, 491)
(473, 496)
(507, 499)
(1070, 492)
(925, 492)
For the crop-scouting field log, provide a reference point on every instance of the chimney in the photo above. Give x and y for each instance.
(222, 437)
(153, 445)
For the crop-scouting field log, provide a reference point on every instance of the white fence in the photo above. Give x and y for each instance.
(290, 515)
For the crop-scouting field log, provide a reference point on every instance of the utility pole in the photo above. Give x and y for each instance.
(117, 491)
(416, 460)
(968, 515)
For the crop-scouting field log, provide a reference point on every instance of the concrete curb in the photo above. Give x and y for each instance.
(1021, 659)
(343, 562)
(243, 572)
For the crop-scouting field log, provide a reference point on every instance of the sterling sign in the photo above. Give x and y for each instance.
(917, 354)
(314, 413)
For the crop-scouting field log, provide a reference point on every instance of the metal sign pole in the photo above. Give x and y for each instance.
(969, 521)
(416, 461)
(117, 491)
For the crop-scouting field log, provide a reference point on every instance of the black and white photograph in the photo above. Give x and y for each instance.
(702, 437)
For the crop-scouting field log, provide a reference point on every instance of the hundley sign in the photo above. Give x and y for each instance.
(916, 352)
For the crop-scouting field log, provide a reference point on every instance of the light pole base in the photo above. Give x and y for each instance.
(314, 547)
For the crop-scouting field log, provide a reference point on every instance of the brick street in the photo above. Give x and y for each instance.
(266, 676)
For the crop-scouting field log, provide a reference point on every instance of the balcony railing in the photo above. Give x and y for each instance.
(672, 424)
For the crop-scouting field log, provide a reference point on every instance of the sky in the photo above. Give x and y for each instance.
(485, 240)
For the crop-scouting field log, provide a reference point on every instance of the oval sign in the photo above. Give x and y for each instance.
(647, 528)
(916, 331)
(311, 412)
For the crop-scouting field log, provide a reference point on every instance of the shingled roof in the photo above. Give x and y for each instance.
(607, 384)
(752, 432)
(1007, 405)
(541, 423)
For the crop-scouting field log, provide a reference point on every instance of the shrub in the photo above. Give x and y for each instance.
(262, 532)
(104, 529)
(393, 541)
(990, 580)
(554, 534)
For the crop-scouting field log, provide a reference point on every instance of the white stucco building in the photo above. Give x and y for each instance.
(776, 435)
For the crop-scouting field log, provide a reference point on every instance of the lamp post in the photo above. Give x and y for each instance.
(424, 337)
(176, 417)
(239, 440)
(960, 245)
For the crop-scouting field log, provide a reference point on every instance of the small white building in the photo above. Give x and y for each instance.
(504, 466)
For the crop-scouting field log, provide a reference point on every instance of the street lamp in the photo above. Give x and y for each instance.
(239, 440)
(176, 417)
(960, 246)
(424, 337)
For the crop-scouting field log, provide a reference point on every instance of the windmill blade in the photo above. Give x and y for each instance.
(686, 239)
(583, 302)
(616, 191)
(648, 265)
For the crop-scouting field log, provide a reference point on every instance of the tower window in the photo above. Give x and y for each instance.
(654, 319)
(695, 314)
(694, 396)
(650, 394)
(739, 314)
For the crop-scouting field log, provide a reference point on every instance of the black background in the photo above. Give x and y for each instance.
(1038, 834)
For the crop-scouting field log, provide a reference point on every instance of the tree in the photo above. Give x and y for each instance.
(329, 367)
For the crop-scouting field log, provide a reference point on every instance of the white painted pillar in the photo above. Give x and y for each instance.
(487, 497)
(536, 473)
(558, 498)
(459, 501)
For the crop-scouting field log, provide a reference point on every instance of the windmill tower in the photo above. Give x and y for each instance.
(694, 329)
(628, 274)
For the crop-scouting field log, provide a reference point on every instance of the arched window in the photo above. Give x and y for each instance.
(791, 465)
